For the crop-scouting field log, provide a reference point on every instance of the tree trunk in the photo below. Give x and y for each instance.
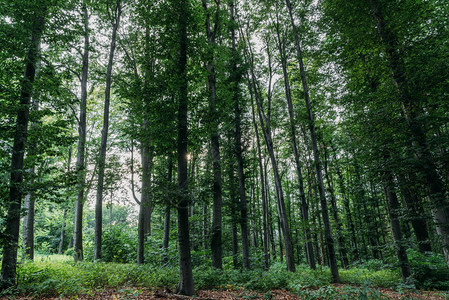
(166, 239)
(411, 112)
(266, 130)
(334, 210)
(28, 222)
(145, 207)
(399, 243)
(80, 160)
(304, 204)
(324, 210)
(104, 136)
(186, 278)
(238, 145)
(355, 251)
(11, 233)
(216, 243)
(269, 213)
(266, 235)
(62, 236)
(28, 218)
(233, 203)
(416, 214)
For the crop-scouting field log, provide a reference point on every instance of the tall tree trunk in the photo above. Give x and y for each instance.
(28, 221)
(216, 243)
(334, 210)
(185, 264)
(411, 112)
(145, 207)
(266, 130)
(399, 243)
(350, 223)
(304, 204)
(80, 160)
(416, 213)
(166, 238)
(270, 233)
(233, 204)
(29, 203)
(238, 143)
(11, 233)
(367, 217)
(62, 235)
(324, 210)
(266, 235)
(104, 134)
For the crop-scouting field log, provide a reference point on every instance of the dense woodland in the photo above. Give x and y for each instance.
(244, 135)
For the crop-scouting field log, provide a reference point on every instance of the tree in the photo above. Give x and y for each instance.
(115, 21)
(186, 277)
(312, 129)
(211, 35)
(9, 261)
(82, 132)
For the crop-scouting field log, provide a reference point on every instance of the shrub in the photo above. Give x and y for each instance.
(429, 270)
(382, 278)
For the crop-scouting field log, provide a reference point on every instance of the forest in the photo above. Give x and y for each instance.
(224, 149)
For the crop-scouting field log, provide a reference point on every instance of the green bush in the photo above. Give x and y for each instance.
(119, 244)
(429, 270)
(382, 278)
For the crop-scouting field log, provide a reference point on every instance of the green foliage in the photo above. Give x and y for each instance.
(119, 244)
(347, 292)
(429, 270)
(57, 275)
(62, 277)
(382, 278)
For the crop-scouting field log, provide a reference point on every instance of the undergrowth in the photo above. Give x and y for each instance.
(58, 275)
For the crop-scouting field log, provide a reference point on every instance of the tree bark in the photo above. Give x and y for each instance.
(186, 286)
(166, 238)
(411, 113)
(416, 213)
(399, 243)
(324, 210)
(29, 203)
(62, 235)
(104, 134)
(145, 207)
(11, 233)
(304, 205)
(266, 234)
(216, 243)
(28, 222)
(266, 130)
(350, 223)
(238, 144)
(334, 210)
(80, 159)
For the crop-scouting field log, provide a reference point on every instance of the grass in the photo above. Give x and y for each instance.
(58, 275)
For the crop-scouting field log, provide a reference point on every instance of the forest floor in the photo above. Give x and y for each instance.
(140, 294)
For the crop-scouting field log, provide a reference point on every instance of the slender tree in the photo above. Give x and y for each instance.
(115, 21)
(238, 144)
(186, 286)
(211, 34)
(9, 260)
(316, 154)
(82, 132)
